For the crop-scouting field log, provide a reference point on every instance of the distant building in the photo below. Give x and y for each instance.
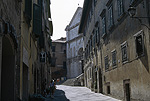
(58, 60)
(74, 46)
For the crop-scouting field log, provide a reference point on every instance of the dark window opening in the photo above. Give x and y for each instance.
(139, 45)
(64, 65)
(64, 51)
(108, 89)
(53, 48)
(53, 63)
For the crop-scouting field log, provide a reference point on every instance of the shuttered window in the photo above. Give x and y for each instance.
(37, 20)
(28, 10)
(41, 41)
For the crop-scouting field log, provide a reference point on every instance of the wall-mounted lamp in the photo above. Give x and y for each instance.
(132, 12)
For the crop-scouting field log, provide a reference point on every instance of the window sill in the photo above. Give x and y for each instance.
(103, 36)
(114, 67)
(124, 62)
(139, 56)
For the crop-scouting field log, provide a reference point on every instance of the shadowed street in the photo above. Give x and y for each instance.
(72, 93)
(59, 95)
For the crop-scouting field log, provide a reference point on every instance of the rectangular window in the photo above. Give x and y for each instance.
(120, 7)
(114, 58)
(95, 1)
(97, 36)
(131, 1)
(53, 48)
(94, 41)
(139, 45)
(37, 20)
(103, 25)
(64, 65)
(28, 10)
(106, 63)
(108, 87)
(110, 16)
(53, 64)
(124, 52)
(91, 45)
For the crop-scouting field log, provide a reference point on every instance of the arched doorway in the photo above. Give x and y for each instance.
(7, 70)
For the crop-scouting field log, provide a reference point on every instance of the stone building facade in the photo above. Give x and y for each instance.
(58, 64)
(74, 47)
(9, 54)
(117, 48)
(21, 24)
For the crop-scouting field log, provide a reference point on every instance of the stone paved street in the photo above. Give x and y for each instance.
(69, 93)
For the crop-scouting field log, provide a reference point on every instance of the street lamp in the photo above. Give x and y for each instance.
(132, 12)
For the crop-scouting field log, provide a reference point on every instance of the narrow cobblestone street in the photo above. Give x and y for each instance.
(70, 93)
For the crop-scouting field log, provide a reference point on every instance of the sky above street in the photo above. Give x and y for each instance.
(62, 12)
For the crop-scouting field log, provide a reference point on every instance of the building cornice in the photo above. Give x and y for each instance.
(78, 37)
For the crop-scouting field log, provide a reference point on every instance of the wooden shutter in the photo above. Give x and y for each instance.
(37, 20)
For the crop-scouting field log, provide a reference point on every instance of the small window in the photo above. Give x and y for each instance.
(124, 52)
(53, 48)
(95, 1)
(114, 58)
(64, 65)
(64, 51)
(106, 63)
(139, 45)
(108, 87)
(53, 64)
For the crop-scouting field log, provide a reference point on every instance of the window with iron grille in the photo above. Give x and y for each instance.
(124, 52)
(106, 63)
(120, 7)
(114, 58)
